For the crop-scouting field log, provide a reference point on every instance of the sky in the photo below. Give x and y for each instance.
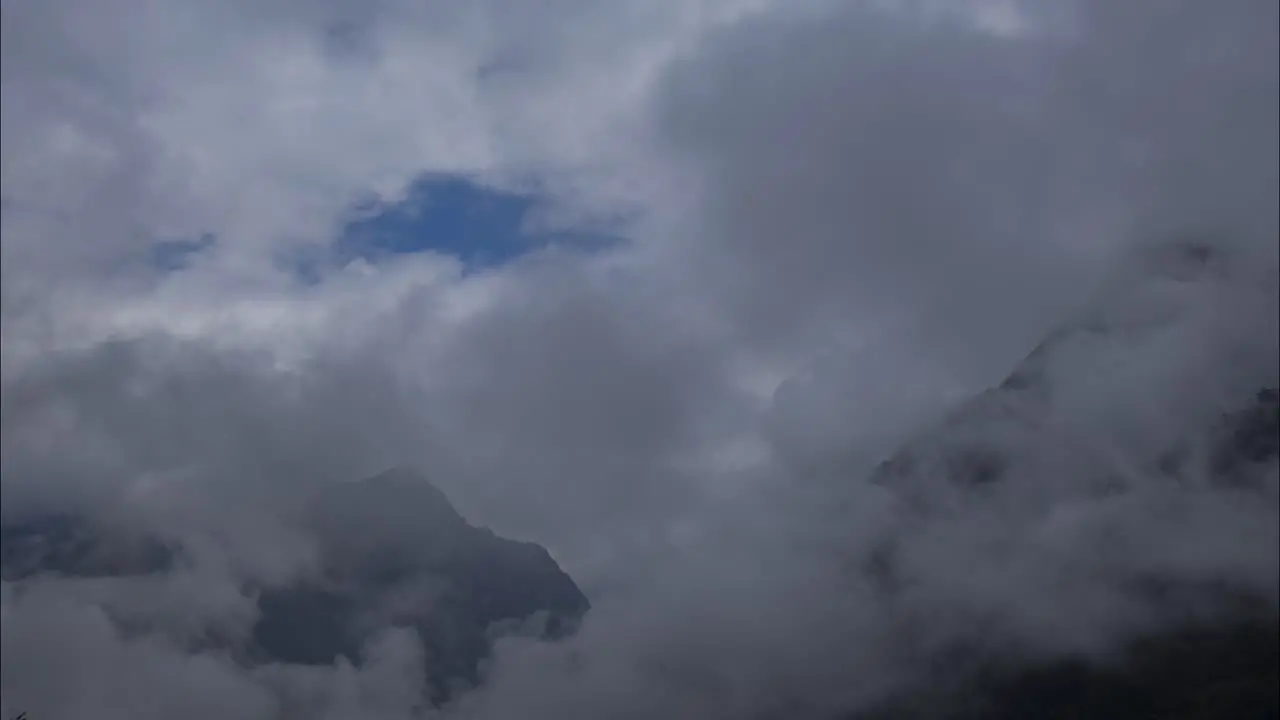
(654, 284)
(451, 215)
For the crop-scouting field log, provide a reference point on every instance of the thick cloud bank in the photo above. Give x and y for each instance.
(936, 339)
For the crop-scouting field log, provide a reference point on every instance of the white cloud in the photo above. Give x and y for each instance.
(845, 215)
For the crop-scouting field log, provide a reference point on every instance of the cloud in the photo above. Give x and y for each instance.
(893, 167)
(262, 124)
(842, 220)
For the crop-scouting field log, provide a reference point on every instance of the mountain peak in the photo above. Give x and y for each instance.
(393, 553)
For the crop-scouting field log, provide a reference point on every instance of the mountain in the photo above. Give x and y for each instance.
(1222, 672)
(1222, 665)
(1055, 429)
(394, 553)
(1126, 349)
(395, 547)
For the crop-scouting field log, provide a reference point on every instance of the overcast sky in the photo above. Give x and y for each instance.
(826, 223)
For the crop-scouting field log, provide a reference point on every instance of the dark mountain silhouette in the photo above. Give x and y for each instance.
(396, 550)
(1214, 672)
(72, 545)
(395, 553)
(1224, 664)
(1223, 667)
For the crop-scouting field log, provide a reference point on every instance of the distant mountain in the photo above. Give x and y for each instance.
(1222, 663)
(1220, 672)
(71, 545)
(396, 549)
(1113, 350)
(395, 553)
(1222, 667)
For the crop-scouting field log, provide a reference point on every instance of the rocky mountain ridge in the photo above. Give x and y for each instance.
(394, 554)
(1213, 647)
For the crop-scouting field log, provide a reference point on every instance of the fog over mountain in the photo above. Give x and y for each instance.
(932, 374)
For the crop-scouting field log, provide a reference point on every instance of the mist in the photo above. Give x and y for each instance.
(845, 226)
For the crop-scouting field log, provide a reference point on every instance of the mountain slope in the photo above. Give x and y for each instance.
(394, 553)
(1124, 490)
(1224, 665)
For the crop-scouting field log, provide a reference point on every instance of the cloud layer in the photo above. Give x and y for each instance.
(842, 220)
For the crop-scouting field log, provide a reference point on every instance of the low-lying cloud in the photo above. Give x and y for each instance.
(855, 219)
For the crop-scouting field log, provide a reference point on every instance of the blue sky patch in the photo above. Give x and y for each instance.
(451, 215)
